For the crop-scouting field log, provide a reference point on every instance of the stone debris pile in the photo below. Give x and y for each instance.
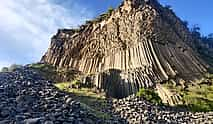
(138, 111)
(26, 98)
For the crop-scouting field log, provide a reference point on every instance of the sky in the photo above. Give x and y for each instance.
(26, 26)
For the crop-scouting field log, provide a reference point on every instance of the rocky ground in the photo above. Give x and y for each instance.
(26, 98)
(138, 111)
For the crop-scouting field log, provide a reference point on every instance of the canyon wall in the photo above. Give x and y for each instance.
(139, 44)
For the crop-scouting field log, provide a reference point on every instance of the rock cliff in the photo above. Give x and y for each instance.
(139, 44)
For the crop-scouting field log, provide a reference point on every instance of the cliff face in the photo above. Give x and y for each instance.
(140, 44)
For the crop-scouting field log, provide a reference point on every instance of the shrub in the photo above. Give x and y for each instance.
(150, 95)
(110, 10)
(76, 83)
(104, 15)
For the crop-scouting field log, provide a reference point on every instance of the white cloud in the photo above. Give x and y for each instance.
(27, 25)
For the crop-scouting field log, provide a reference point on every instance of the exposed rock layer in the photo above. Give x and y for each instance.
(140, 44)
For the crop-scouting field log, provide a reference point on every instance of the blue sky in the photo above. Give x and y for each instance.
(27, 25)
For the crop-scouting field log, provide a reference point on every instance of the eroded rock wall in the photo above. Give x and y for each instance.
(140, 44)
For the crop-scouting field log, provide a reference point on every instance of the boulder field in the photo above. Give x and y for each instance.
(26, 98)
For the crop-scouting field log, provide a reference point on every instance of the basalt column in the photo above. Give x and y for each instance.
(137, 45)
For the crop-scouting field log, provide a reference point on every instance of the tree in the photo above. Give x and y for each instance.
(196, 31)
(210, 36)
(13, 67)
(185, 23)
(210, 40)
(196, 28)
(168, 7)
(4, 69)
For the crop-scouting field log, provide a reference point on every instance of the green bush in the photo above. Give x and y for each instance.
(110, 10)
(196, 104)
(43, 67)
(196, 98)
(199, 98)
(150, 95)
(104, 15)
(76, 84)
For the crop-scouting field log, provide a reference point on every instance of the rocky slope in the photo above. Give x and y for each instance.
(26, 98)
(137, 45)
(138, 111)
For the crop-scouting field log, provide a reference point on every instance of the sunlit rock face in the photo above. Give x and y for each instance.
(139, 45)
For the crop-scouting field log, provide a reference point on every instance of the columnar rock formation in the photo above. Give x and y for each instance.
(140, 44)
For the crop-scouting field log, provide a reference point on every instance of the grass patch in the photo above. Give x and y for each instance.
(89, 99)
(54, 74)
(199, 98)
(63, 86)
(196, 98)
(42, 67)
(96, 112)
(49, 72)
(150, 95)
